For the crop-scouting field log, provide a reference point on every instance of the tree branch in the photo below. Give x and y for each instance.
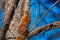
(44, 15)
(44, 29)
(9, 11)
(16, 19)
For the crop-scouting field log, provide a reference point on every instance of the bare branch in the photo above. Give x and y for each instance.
(9, 11)
(44, 15)
(24, 23)
(16, 19)
(44, 29)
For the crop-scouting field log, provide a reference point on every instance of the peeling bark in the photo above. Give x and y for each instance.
(23, 26)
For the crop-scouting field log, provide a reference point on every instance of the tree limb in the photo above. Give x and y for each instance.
(15, 20)
(44, 15)
(9, 11)
(44, 29)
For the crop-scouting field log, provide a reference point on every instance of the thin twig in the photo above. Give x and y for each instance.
(44, 15)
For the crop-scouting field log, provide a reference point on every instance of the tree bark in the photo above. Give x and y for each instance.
(9, 10)
(12, 32)
(27, 5)
(44, 29)
(11, 24)
(24, 23)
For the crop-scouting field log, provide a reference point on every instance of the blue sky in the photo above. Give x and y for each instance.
(52, 16)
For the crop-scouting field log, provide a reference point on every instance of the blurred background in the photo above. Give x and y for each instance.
(38, 8)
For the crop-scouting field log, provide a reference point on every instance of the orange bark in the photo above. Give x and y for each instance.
(23, 26)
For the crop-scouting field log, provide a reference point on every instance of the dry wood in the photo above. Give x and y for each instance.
(9, 10)
(27, 5)
(44, 29)
(16, 18)
(23, 26)
(15, 21)
(10, 6)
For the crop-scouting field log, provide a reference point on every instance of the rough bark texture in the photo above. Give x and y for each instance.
(12, 23)
(15, 21)
(16, 18)
(27, 5)
(23, 26)
(44, 29)
(9, 9)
